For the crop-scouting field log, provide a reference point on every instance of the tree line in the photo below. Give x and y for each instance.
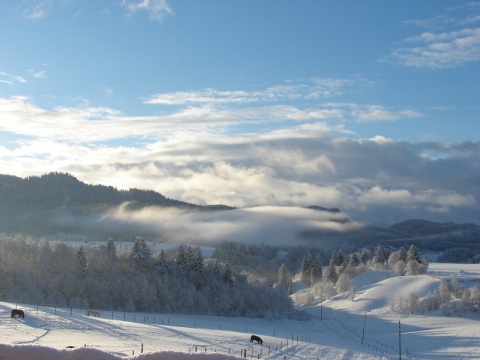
(336, 276)
(133, 279)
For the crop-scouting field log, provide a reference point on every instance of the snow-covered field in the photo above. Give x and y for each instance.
(341, 328)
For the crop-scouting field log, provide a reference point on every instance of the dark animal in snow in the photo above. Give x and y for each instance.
(17, 313)
(256, 338)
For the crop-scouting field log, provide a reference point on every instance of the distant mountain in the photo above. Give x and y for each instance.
(427, 235)
(29, 205)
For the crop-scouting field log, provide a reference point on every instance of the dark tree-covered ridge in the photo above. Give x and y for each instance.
(55, 189)
(28, 205)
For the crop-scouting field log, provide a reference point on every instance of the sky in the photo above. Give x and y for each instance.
(371, 107)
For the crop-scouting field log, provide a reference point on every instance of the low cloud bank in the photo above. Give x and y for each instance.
(273, 225)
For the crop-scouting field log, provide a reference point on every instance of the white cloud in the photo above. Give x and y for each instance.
(434, 200)
(156, 9)
(314, 88)
(11, 79)
(40, 74)
(192, 155)
(381, 139)
(451, 42)
(370, 113)
(37, 9)
(438, 51)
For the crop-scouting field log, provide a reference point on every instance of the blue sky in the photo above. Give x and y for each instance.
(369, 106)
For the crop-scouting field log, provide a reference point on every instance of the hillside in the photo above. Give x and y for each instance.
(32, 205)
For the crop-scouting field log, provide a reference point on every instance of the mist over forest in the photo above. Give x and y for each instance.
(60, 207)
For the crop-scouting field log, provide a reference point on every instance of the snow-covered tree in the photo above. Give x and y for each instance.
(216, 271)
(111, 251)
(340, 258)
(379, 255)
(445, 291)
(284, 278)
(82, 261)
(140, 255)
(316, 271)
(334, 258)
(227, 274)
(365, 256)
(331, 273)
(306, 268)
(475, 298)
(161, 263)
(414, 254)
(197, 260)
(282, 275)
(343, 283)
(181, 258)
(353, 261)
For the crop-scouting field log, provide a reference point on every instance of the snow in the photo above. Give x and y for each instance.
(340, 328)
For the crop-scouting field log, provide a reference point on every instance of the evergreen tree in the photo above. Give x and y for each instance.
(340, 258)
(227, 275)
(353, 261)
(331, 273)
(197, 260)
(305, 270)
(217, 273)
(111, 251)
(365, 256)
(414, 254)
(316, 272)
(334, 258)
(379, 255)
(140, 255)
(161, 264)
(82, 261)
(475, 298)
(189, 262)
(181, 258)
(282, 275)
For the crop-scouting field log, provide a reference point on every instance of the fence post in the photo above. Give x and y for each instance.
(399, 341)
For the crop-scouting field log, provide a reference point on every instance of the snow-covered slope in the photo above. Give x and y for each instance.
(341, 328)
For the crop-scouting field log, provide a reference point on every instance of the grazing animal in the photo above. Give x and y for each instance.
(17, 313)
(93, 313)
(256, 338)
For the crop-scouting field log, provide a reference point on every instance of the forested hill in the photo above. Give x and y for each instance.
(54, 190)
(25, 204)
